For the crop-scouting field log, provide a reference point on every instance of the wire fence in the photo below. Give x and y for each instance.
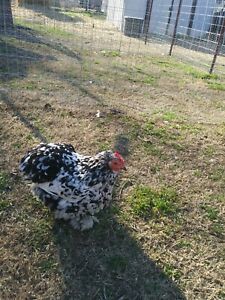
(192, 31)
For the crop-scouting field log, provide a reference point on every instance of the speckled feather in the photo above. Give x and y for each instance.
(74, 186)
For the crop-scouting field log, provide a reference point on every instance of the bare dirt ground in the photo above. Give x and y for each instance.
(165, 116)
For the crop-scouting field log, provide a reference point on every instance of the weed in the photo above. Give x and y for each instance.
(171, 271)
(145, 201)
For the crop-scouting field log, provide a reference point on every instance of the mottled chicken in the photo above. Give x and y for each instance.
(74, 186)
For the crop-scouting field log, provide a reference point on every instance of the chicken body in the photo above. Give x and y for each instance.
(74, 186)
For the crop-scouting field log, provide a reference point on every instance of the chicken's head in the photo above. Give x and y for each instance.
(116, 163)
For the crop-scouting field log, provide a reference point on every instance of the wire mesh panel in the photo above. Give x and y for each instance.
(99, 43)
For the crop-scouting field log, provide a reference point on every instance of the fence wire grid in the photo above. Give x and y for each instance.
(191, 30)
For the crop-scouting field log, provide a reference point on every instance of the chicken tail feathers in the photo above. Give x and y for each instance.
(43, 163)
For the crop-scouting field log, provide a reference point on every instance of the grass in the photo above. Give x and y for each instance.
(172, 272)
(186, 68)
(211, 212)
(47, 265)
(146, 202)
(4, 182)
(109, 53)
(151, 243)
(216, 86)
(48, 30)
(117, 263)
(218, 174)
(39, 234)
(4, 205)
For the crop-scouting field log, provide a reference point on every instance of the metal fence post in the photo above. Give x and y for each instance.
(175, 27)
(147, 19)
(218, 47)
(169, 17)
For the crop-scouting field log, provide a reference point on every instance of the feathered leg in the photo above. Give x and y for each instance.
(65, 210)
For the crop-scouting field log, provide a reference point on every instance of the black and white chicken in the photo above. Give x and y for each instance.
(74, 186)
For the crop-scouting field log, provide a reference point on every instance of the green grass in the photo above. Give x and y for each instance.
(184, 244)
(163, 131)
(209, 151)
(40, 234)
(27, 85)
(47, 265)
(110, 53)
(4, 182)
(160, 132)
(211, 212)
(170, 116)
(104, 146)
(94, 14)
(54, 31)
(146, 202)
(217, 197)
(149, 80)
(217, 174)
(137, 76)
(185, 68)
(171, 271)
(216, 86)
(4, 205)
(217, 229)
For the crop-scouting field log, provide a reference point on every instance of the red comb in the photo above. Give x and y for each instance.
(118, 156)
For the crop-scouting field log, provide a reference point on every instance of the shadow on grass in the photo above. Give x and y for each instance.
(15, 61)
(27, 34)
(15, 111)
(108, 263)
(121, 144)
(54, 13)
(16, 58)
